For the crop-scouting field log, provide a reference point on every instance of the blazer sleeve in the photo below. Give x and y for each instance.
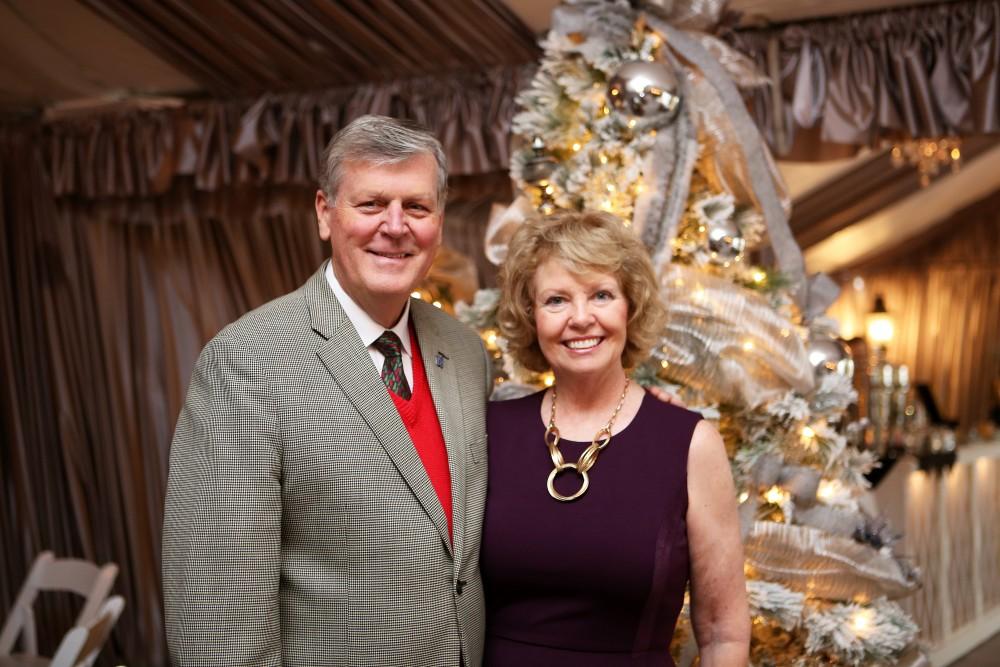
(222, 517)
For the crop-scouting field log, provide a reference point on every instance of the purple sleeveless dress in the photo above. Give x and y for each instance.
(599, 580)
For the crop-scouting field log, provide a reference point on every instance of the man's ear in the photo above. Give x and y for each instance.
(324, 214)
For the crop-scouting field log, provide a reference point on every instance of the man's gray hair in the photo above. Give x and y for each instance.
(380, 140)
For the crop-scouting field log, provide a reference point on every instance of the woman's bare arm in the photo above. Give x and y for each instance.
(719, 612)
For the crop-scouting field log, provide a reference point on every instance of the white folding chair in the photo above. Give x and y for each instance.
(51, 574)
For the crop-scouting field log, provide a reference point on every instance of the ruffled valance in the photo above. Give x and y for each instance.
(924, 72)
(275, 139)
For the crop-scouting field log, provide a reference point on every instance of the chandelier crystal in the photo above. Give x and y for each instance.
(928, 156)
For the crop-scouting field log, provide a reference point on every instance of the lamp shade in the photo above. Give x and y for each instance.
(879, 324)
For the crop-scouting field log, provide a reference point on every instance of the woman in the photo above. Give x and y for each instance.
(602, 501)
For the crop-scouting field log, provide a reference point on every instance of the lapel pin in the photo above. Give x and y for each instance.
(439, 359)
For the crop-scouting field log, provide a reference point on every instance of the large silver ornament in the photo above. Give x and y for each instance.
(646, 89)
(829, 355)
(725, 242)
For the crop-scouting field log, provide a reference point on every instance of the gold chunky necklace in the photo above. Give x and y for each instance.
(589, 456)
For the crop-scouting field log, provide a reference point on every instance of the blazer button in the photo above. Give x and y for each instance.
(459, 586)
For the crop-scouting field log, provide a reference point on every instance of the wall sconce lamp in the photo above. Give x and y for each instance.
(879, 324)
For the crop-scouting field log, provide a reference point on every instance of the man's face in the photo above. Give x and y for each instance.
(384, 228)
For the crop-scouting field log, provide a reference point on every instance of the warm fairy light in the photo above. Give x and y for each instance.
(744, 496)
(776, 496)
(548, 379)
(956, 154)
(759, 276)
(549, 189)
(748, 346)
(664, 364)
(436, 304)
(610, 187)
(639, 188)
(632, 123)
(698, 294)
(808, 433)
(603, 158)
(701, 229)
(490, 338)
(576, 146)
(829, 489)
(862, 621)
(785, 333)
(607, 206)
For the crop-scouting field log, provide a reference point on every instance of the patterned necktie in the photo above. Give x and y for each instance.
(392, 368)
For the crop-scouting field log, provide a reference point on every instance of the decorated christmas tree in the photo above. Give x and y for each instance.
(637, 111)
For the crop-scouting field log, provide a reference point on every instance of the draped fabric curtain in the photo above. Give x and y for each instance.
(274, 139)
(945, 302)
(106, 306)
(106, 303)
(924, 72)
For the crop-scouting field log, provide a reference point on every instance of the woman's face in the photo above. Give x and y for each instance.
(581, 319)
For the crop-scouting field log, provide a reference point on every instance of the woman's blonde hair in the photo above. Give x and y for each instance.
(583, 242)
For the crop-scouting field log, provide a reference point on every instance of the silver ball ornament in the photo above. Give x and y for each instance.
(725, 242)
(539, 166)
(829, 355)
(645, 89)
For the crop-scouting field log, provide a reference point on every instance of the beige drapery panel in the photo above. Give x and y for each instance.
(945, 301)
(923, 71)
(275, 139)
(104, 306)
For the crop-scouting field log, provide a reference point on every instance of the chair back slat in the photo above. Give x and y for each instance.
(50, 574)
(80, 646)
(69, 574)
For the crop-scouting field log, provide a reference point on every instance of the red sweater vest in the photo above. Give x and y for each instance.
(421, 421)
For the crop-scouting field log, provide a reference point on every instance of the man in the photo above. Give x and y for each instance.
(328, 471)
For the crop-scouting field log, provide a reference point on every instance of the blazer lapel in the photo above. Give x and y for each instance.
(348, 361)
(443, 384)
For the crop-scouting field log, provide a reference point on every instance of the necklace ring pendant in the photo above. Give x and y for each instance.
(567, 466)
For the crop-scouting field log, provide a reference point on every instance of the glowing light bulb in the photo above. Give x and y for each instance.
(759, 276)
(748, 346)
(775, 495)
(576, 146)
(828, 489)
(863, 620)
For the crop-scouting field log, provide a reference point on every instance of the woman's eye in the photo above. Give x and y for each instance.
(555, 301)
(604, 295)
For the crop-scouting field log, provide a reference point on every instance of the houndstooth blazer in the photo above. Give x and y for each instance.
(300, 525)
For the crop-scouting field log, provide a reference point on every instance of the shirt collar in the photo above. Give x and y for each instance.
(367, 328)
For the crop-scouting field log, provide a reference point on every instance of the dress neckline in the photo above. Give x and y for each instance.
(617, 433)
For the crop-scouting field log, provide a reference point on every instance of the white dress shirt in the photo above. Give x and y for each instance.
(370, 330)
